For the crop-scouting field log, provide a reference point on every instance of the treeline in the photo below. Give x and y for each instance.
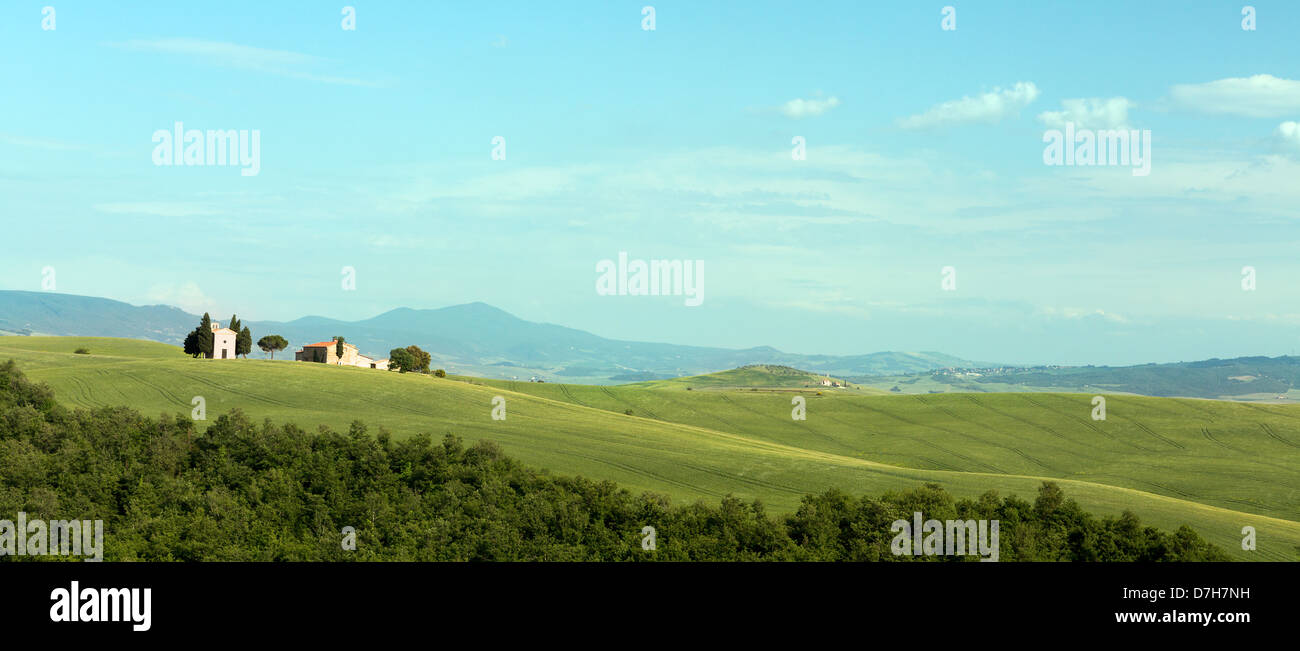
(265, 492)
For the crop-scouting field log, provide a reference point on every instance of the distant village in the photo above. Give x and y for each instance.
(992, 370)
(212, 341)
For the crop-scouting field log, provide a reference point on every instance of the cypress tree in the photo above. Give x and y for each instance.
(205, 335)
(244, 342)
(192, 343)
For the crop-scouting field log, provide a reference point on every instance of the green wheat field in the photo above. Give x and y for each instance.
(1216, 466)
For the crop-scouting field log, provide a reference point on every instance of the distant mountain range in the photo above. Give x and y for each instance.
(481, 340)
(472, 339)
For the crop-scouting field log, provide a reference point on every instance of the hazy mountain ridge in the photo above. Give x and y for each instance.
(1255, 378)
(474, 338)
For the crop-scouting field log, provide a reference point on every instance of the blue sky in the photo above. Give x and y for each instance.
(924, 149)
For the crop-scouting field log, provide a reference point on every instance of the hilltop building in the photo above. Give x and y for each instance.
(223, 342)
(326, 352)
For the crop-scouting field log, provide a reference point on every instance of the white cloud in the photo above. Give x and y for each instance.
(37, 143)
(1090, 113)
(1259, 96)
(987, 107)
(1289, 134)
(396, 242)
(157, 209)
(1081, 313)
(733, 192)
(803, 108)
(233, 55)
(826, 305)
(186, 296)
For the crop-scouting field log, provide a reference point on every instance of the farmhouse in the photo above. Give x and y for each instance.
(326, 352)
(223, 342)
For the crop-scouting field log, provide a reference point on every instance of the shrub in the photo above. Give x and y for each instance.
(82, 351)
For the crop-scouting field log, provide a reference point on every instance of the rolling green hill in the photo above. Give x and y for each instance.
(757, 376)
(1216, 466)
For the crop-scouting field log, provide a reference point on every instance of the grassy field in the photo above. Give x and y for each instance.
(1216, 466)
(759, 376)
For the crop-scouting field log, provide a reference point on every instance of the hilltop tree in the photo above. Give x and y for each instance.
(192, 343)
(419, 359)
(338, 348)
(206, 340)
(199, 342)
(234, 324)
(244, 342)
(401, 360)
(271, 343)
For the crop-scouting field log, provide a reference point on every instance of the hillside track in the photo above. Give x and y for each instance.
(1278, 437)
(1086, 423)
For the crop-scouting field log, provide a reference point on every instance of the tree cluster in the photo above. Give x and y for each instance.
(409, 360)
(198, 343)
(243, 338)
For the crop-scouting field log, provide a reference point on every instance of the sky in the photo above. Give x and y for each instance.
(444, 153)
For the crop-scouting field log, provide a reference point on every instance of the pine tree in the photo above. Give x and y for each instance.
(271, 343)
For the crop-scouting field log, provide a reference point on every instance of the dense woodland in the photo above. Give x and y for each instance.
(241, 490)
